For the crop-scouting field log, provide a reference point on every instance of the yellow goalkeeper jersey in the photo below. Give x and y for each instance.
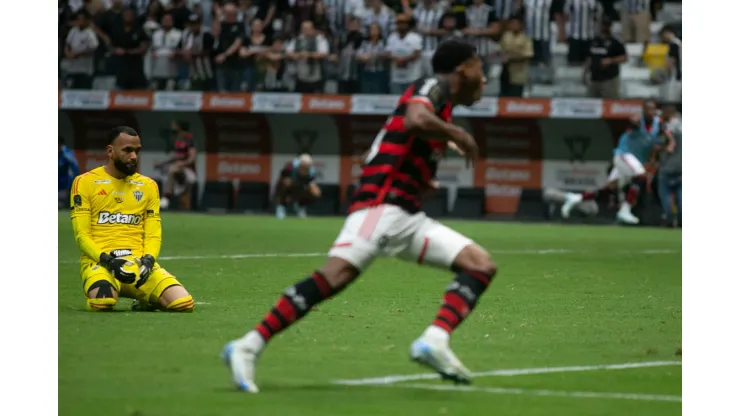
(119, 215)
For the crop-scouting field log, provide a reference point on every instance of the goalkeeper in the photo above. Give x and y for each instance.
(115, 217)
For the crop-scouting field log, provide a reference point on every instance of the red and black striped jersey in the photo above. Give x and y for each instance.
(400, 166)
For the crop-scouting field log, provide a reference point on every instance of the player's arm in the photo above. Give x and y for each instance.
(313, 187)
(421, 119)
(670, 140)
(82, 218)
(152, 222)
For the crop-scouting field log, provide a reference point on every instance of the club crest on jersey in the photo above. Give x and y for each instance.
(138, 195)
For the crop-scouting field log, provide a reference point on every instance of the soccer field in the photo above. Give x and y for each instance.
(579, 321)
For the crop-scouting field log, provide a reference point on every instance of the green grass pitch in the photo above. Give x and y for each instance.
(564, 296)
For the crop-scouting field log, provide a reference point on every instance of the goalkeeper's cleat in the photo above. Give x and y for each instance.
(101, 304)
(241, 358)
(280, 212)
(300, 211)
(571, 200)
(437, 355)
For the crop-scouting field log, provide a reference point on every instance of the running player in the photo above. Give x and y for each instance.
(296, 185)
(634, 149)
(115, 217)
(385, 220)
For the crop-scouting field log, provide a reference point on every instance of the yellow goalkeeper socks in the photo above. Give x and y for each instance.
(186, 304)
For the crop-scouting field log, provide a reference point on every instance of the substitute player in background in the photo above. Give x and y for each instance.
(635, 148)
(385, 219)
(296, 186)
(115, 217)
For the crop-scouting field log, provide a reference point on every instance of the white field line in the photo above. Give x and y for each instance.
(323, 254)
(556, 393)
(505, 372)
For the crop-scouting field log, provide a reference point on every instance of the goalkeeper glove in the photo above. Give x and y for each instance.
(146, 264)
(116, 266)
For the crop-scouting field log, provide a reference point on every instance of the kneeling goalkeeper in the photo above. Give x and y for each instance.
(115, 217)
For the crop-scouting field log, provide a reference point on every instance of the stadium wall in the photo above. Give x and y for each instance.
(526, 144)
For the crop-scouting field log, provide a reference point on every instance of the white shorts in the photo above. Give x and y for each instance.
(389, 231)
(626, 167)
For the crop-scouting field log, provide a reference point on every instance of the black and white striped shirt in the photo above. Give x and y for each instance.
(537, 17)
(428, 19)
(583, 18)
(335, 13)
(675, 52)
(480, 17)
(635, 6)
(201, 67)
(505, 9)
(375, 64)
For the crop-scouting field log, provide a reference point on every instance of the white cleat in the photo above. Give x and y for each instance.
(625, 216)
(438, 356)
(241, 360)
(571, 200)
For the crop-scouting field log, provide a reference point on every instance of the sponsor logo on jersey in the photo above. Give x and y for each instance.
(102, 182)
(138, 195)
(119, 200)
(118, 218)
(136, 182)
(122, 252)
(77, 200)
(102, 192)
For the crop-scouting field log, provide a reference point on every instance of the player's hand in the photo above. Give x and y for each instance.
(452, 146)
(116, 266)
(467, 145)
(146, 264)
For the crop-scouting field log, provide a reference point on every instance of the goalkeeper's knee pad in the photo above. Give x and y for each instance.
(101, 304)
(184, 304)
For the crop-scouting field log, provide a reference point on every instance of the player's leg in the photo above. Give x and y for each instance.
(100, 287)
(573, 199)
(282, 196)
(439, 246)
(351, 253)
(169, 185)
(633, 180)
(308, 194)
(161, 291)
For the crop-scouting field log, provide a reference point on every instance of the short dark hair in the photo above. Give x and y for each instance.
(117, 131)
(450, 54)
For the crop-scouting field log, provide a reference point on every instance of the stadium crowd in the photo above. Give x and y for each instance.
(352, 46)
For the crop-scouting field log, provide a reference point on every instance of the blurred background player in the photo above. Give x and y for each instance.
(68, 170)
(635, 148)
(670, 172)
(180, 168)
(296, 186)
(115, 218)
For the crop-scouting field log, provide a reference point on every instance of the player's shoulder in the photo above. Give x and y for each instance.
(91, 177)
(142, 180)
(434, 87)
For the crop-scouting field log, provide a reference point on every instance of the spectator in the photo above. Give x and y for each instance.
(349, 46)
(321, 22)
(229, 68)
(254, 45)
(275, 60)
(301, 11)
(107, 22)
(517, 51)
(428, 15)
(458, 8)
(672, 88)
(130, 43)
(582, 17)
(180, 13)
(198, 46)
(376, 12)
(337, 13)
(405, 50)
(449, 27)
(374, 58)
(636, 21)
(79, 49)
(165, 51)
(271, 12)
(68, 170)
(247, 12)
(605, 57)
(506, 9)
(481, 26)
(538, 15)
(669, 175)
(308, 52)
(149, 21)
(180, 168)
